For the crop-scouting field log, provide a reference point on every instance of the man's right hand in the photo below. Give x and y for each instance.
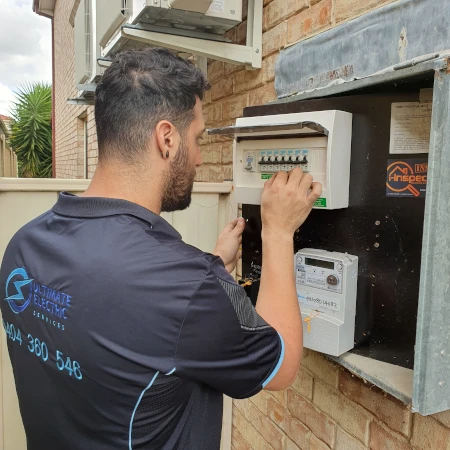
(286, 202)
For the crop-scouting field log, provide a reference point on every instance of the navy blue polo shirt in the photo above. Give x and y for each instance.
(121, 336)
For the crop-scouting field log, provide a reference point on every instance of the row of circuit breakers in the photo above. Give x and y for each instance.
(320, 143)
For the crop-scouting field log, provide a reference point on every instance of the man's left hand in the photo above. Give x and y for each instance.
(228, 245)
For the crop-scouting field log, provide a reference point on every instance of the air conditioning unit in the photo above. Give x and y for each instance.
(89, 28)
(195, 28)
(202, 19)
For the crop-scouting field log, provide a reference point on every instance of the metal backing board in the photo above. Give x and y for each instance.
(384, 232)
(388, 36)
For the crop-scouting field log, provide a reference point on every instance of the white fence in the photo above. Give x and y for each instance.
(21, 200)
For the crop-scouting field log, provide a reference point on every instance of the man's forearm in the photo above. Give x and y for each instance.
(278, 304)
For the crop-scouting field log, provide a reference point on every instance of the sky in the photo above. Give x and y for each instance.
(25, 49)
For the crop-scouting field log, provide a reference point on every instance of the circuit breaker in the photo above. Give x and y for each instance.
(318, 142)
(326, 285)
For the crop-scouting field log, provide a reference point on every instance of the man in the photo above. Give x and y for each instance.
(121, 336)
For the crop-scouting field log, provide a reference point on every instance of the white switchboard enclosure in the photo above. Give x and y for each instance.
(326, 290)
(318, 142)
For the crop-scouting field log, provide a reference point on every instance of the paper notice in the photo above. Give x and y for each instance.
(410, 127)
(218, 6)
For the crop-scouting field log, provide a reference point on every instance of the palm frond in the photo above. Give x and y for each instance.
(31, 134)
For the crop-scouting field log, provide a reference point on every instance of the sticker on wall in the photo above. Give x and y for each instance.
(217, 6)
(410, 127)
(407, 178)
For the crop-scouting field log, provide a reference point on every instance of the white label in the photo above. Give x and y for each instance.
(410, 127)
(218, 6)
(319, 301)
(317, 277)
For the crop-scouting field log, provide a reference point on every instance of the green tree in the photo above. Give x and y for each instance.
(31, 133)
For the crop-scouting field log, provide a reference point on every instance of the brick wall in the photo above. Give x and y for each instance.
(327, 408)
(67, 116)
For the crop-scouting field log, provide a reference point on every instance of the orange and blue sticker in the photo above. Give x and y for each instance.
(407, 177)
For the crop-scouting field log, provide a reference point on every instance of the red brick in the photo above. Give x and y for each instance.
(271, 433)
(346, 442)
(207, 98)
(281, 397)
(443, 417)
(202, 173)
(321, 367)
(346, 9)
(211, 154)
(303, 384)
(231, 68)
(233, 107)
(268, 68)
(311, 21)
(279, 10)
(239, 443)
(217, 174)
(317, 444)
(215, 71)
(249, 432)
(275, 39)
(292, 427)
(291, 446)
(262, 95)
(350, 416)
(213, 112)
(221, 89)
(429, 434)
(260, 400)
(248, 79)
(383, 439)
(300, 408)
(388, 409)
(227, 153)
(241, 33)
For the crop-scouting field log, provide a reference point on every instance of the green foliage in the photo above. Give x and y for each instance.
(31, 133)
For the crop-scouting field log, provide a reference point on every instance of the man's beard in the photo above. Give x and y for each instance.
(178, 183)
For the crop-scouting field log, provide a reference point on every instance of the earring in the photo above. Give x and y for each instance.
(167, 154)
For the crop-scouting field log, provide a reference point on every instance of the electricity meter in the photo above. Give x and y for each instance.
(326, 289)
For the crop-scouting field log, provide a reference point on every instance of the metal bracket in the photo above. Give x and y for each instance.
(249, 55)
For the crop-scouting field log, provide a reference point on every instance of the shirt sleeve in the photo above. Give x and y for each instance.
(223, 342)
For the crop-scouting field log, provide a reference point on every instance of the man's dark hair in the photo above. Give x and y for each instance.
(139, 89)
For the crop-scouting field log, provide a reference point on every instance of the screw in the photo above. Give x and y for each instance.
(257, 50)
(376, 245)
(155, 2)
(442, 353)
(377, 222)
(441, 383)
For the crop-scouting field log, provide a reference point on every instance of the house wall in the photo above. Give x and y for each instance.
(69, 140)
(8, 158)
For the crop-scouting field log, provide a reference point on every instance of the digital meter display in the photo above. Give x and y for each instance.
(319, 263)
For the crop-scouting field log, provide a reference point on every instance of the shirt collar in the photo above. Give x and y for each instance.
(70, 205)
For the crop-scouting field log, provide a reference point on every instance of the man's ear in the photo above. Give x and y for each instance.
(167, 139)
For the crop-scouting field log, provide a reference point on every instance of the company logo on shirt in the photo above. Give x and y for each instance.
(50, 305)
(17, 284)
